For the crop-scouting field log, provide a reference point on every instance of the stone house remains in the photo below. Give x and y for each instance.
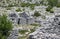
(21, 18)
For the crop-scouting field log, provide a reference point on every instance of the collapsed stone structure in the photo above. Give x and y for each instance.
(21, 18)
(49, 30)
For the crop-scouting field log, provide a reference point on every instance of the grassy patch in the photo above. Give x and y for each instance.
(23, 31)
(24, 4)
(34, 24)
(58, 5)
(24, 37)
(32, 30)
(37, 14)
(18, 10)
(49, 8)
(29, 5)
(32, 6)
(51, 11)
(8, 8)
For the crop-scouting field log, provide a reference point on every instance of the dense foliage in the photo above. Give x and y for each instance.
(5, 27)
(48, 8)
(18, 10)
(52, 2)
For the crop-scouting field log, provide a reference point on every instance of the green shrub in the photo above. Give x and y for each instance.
(32, 30)
(52, 2)
(23, 31)
(49, 8)
(18, 10)
(32, 6)
(5, 26)
(51, 11)
(27, 5)
(37, 14)
(58, 5)
(24, 4)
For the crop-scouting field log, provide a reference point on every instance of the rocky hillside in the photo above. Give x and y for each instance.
(45, 12)
(49, 30)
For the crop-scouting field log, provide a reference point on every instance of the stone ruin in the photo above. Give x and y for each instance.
(21, 18)
(50, 30)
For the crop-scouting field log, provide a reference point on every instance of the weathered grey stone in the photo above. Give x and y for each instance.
(13, 35)
(21, 18)
(50, 30)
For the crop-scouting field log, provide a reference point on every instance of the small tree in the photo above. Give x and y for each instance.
(5, 26)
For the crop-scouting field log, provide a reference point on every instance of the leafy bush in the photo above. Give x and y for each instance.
(5, 26)
(23, 4)
(51, 11)
(52, 2)
(27, 5)
(32, 30)
(23, 31)
(37, 14)
(32, 6)
(58, 5)
(18, 10)
(48, 8)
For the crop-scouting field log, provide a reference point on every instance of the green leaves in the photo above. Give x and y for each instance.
(5, 25)
(18, 10)
(37, 14)
(23, 31)
(52, 2)
(48, 8)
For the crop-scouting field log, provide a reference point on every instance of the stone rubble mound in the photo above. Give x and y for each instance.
(13, 35)
(50, 30)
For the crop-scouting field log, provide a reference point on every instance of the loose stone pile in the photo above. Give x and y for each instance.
(50, 30)
(13, 35)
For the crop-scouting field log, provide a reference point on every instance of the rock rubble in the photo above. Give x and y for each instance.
(49, 30)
